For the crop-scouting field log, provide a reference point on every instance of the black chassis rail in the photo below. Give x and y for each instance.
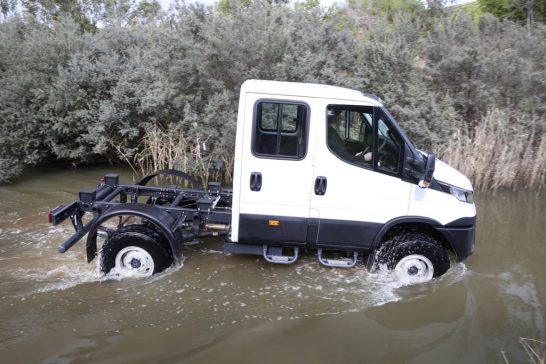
(179, 214)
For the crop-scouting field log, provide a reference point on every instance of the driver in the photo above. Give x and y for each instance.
(336, 143)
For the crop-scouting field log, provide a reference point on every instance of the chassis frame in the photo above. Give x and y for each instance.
(179, 214)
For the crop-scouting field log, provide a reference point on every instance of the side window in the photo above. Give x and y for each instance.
(349, 133)
(356, 137)
(280, 130)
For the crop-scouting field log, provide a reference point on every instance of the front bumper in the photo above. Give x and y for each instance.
(461, 236)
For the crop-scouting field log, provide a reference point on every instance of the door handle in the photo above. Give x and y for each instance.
(320, 185)
(255, 181)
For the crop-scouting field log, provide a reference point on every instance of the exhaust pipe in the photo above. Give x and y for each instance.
(216, 227)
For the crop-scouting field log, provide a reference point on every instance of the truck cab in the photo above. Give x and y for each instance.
(328, 168)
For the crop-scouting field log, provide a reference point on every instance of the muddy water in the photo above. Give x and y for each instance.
(214, 308)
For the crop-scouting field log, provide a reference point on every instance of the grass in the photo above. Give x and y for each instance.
(500, 152)
(169, 149)
(535, 349)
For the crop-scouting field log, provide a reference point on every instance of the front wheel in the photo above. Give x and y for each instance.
(135, 250)
(413, 257)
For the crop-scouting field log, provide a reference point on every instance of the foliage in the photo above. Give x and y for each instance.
(472, 8)
(389, 64)
(391, 7)
(517, 10)
(88, 80)
(510, 154)
(30, 57)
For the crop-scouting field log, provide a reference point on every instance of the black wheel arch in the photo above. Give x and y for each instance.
(413, 223)
(156, 216)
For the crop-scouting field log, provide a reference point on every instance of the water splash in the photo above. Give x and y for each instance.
(213, 286)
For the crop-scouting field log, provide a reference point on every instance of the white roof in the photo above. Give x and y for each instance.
(306, 90)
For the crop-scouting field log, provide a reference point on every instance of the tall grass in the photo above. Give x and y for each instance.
(535, 349)
(169, 149)
(499, 152)
(162, 150)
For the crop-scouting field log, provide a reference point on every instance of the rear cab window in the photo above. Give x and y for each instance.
(280, 129)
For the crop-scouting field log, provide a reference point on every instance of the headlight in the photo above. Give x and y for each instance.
(461, 194)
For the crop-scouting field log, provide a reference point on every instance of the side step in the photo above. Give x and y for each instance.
(338, 263)
(280, 259)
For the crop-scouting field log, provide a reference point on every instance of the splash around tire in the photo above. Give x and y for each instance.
(135, 250)
(413, 257)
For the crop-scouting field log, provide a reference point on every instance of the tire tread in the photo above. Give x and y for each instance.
(147, 235)
(406, 243)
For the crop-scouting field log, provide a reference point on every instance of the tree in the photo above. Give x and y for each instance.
(146, 11)
(55, 10)
(525, 11)
(390, 8)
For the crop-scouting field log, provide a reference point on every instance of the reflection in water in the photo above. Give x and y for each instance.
(436, 304)
(214, 307)
(521, 298)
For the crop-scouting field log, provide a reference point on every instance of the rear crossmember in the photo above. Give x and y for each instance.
(180, 214)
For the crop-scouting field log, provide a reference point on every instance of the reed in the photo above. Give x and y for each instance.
(499, 152)
(535, 349)
(170, 149)
(162, 150)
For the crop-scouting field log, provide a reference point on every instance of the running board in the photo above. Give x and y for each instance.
(338, 263)
(280, 259)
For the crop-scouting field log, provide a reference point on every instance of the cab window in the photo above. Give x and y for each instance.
(362, 135)
(280, 130)
(350, 134)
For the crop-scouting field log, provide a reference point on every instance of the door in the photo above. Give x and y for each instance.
(359, 163)
(276, 171)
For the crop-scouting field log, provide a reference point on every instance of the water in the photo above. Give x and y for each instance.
(212, 307)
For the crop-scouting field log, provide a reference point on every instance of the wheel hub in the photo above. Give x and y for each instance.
(135, 263)
(134, 260)
(415, 268)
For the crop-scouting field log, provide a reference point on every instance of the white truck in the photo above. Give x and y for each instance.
(317, 168)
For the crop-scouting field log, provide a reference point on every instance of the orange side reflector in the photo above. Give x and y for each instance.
(273, 223)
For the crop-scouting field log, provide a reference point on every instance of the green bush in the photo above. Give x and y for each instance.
(83, 83)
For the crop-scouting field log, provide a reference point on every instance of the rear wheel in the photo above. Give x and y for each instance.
(414, 257)
(137, 250)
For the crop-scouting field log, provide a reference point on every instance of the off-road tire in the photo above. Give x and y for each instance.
(141, 236)
(405, 244)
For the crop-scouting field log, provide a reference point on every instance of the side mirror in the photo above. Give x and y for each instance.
(425, 180)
